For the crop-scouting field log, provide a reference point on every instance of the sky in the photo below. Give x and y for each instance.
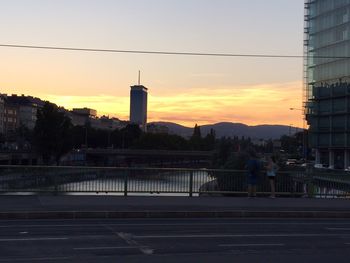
(182, 89)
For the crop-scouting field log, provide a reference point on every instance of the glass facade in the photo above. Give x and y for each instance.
(327, 77)
(138, 105)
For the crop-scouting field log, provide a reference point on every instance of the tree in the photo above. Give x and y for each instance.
(23, 137)
(196, 138)
(130, 134)
(197, 132)
(224, 149)
(152, 141)
(290, 145)
(79, 134)
(209, 141)
(52, 133)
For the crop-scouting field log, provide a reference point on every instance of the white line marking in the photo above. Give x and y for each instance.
(337, 229)
(250, 245)
(128, 238)
(33, 259)
(98, 248)
(171, 224)
(239, 235)
(33, 239)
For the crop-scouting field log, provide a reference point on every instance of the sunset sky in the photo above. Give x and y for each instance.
(182, 89)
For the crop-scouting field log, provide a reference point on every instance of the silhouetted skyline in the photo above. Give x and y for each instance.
(185, 90)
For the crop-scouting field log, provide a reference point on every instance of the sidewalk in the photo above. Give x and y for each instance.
(70, 207)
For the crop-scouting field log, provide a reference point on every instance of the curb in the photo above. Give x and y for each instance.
(171, 214)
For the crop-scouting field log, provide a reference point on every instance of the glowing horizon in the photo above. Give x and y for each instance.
(254, 105)
(182, 89)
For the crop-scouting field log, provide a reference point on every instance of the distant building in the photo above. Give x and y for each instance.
(28, 115)
(85, 111)
(20, 111)
(2, 112)
(82, 116)
(106, 123)
(11, 122)
(138, 106)
(17, 111)
(327, 80)
(259, 142)
(159, 129)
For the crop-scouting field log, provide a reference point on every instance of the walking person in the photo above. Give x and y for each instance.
(271, 170)
(253, 167)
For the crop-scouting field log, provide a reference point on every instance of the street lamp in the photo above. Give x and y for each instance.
(304, 135)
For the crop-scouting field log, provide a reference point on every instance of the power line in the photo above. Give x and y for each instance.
(150, 52)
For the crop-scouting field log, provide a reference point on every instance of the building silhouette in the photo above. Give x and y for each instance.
(138, 106)
(327, 80)
(2, 112)
(18, 111)
(82, 116)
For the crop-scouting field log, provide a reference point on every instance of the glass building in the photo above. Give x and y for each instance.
(327, 80)
(138, 106)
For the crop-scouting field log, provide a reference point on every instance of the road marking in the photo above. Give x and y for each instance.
(239, 235)
(128, 238)
(98, 248)
(33, 239)
(337, 229)
(33, 259)
(172, 224)
(251, 245)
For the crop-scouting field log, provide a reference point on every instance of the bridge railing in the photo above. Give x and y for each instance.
(165, 181)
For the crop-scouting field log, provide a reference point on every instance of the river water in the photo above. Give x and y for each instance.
(165, 184)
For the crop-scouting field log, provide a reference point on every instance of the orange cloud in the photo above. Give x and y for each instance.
(258, 104)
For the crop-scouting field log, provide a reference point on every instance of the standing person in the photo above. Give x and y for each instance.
(253, 167)
(271, 169)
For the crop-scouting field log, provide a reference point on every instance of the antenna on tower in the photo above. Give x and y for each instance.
(139, 77)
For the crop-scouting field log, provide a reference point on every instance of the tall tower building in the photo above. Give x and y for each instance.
(138, 105)
(327, 80)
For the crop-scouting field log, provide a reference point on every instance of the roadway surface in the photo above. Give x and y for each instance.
(106, 207)
(18, 203)
(176, 240)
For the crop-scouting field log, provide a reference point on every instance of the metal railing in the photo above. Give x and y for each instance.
(164, 181)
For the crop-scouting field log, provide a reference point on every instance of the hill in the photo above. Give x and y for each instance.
(229, 129)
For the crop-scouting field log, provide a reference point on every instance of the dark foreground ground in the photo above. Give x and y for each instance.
(176, 240)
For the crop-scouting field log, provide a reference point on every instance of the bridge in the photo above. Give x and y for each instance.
(144, 158)
(169, 181)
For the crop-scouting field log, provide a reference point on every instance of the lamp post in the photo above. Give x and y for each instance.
(304, 135)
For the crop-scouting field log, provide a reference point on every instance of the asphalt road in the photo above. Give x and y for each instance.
(170, 240)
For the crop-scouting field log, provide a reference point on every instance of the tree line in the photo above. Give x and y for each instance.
(54, 135)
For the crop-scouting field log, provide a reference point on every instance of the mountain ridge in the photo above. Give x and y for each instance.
(231, 129)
